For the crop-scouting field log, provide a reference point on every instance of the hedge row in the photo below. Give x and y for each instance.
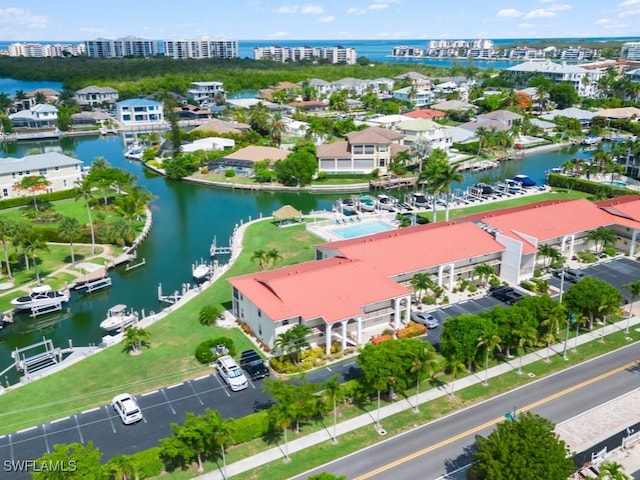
(583, 185)
(45, 197)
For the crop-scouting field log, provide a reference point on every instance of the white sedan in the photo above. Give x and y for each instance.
(127, 408)
(425, 319)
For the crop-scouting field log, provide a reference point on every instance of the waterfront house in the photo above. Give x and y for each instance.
(426, 113)
(583, 80)
(428, 130)
(220, 126)
(375, 271)
(308, 106)
(205, 93)
(322, 87)
(139, 112)
(62, 171)
(362, 151)
(40, 116)
(192, 112)
(208, 144)
(583, 116)
(243, 160)
(417, 80)
(418, 97)
(505, 117)
(355, 86)
(94, 96)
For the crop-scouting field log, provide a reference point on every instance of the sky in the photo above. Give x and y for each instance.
(74, 20)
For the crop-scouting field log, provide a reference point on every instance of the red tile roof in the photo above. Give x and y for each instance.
(376, 135)
(427, 113)
(334, 289)
(625, 207)
(548, 220)
(417, 248)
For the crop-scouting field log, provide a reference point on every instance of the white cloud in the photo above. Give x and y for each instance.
(547, 1)
(525, 26)
(559, 8)
(92, 30)
(628, 3)
(633, 12)
(378, 6)
(279, 34)
(509, 13)
(356, 11)
(23, 18)
(327, 19)
(304, 9)
(540, 13)
(311, 10)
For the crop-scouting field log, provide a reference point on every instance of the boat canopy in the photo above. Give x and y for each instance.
(117, 309)
(41, 289)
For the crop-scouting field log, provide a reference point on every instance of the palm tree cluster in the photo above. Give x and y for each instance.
(264, 257)
(439, 174)
(26, 241)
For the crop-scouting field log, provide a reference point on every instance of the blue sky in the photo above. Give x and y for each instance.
(316, 20)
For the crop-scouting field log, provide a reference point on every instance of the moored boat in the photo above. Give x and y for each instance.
(118, 318)
(134, 151)
(524, 180)
(348, 205)
(40, 297)
(385, 202)
(201, 271)
(367, 203)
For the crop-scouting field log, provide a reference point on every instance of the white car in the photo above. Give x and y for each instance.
(127, 408)
(231, 373)
(425, 319)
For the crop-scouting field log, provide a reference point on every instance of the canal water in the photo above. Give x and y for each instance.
(186, 217)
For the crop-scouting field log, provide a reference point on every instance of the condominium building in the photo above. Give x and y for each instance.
(336, 54)
(631, 51)
(207, 92)
(122, 47)
(45, 50)
(202, 47)
(584, 81)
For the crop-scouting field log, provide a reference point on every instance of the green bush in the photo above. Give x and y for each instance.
(204, 353)
(587, 257)
(148, 462)
(528, 286)
(249, 428)
(229, 172)
(28, 200)
(494, 281)
(473, 288)
(583, 185)
(541, 286)
(429, 300)
(610, 251)
(537, 272)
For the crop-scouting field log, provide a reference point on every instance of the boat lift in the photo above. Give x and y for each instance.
(32, 363)
(216, 250)
(44, 309)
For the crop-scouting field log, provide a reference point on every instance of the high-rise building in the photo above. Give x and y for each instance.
(202, 47)
(45, 50)
(631, 51)
(337, 54)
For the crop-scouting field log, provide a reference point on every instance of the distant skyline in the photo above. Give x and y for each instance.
(274, 20)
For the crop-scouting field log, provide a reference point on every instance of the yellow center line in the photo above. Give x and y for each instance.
(490, 423)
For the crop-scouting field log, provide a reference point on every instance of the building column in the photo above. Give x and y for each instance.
(359, 329)
(396, 313)
(407, 310)
(327, 335)
(632, 249)
(451, 276)
(440, 270)
(344, 334)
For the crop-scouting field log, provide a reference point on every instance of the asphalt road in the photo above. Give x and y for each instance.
(444, 446)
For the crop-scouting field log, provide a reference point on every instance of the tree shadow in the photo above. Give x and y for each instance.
(259, 406)
(454, 465)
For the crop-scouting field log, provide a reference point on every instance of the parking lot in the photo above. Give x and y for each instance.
(104, 428)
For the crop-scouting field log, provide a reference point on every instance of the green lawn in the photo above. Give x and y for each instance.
(173, 341)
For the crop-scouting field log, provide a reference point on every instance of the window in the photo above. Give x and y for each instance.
(382, 148)
(260, 313)
(5, 192)
(369, 149)
(285, 322)
(358, 149)
(64, 182)
(42, 171)
(58, 168)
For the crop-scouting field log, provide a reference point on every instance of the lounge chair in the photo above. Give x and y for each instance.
(358, 218)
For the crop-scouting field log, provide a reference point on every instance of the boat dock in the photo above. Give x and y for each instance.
(389, 182)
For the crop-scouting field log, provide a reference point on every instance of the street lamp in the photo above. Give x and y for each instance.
(570, 320)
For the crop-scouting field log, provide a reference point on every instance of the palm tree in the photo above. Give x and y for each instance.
(293, 340)
(455, 366)
(612, 471)
(123, 467)
(278, 127)
(135, 338)
(484, 272)
(527, 337)
(84, 190)
(490, 342)
(69, 229)
(99, 163)
(332, 390)
(273, 256)
(447, 174)
(602, 237)
(7, 228)
(483, 135)
(425, 359)
(420, 283)
(634, 288)
(282, 415)
(261, 257)
(31, 242)
(221, 435)
(547, 251)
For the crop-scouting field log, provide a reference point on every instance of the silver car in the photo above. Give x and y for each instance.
(426, 319)
(127, 408)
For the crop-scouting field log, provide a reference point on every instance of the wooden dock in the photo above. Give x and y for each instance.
(391, 182)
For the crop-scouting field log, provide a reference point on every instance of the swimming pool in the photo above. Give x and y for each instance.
(361, 229)
(615, 183)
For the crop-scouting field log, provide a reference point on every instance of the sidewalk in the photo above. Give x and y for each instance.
(277, 453)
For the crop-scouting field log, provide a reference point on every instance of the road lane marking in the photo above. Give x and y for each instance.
(195, 393)
(168, 401)
(59, 420)
(44, 436)
(26, 429)
(174, 386)
(149, 393)
(113, 427)
(91, 410)
(493, 422)
(79, 429)
(201, 378)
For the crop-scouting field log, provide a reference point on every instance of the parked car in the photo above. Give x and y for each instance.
(253, 364)
(231, 373)
(571, 275)
(506, 295)
(425, 319)
(127, 408)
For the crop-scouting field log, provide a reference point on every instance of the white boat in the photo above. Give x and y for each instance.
(367, 203)
(118, 318)
(40, 297)
(348, 205)
(419, 200)
(135, 151)
(385, 202)
(201, 271)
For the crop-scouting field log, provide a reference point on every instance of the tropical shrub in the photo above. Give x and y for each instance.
(412, 330)
(249, 428)
(609, 251)
(204, 351)
(587, 257)
(148, 462)
(528, 286)
(229, 172)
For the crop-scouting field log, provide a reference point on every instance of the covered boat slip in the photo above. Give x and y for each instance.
(92, 281)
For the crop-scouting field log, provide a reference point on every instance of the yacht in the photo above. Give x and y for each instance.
(524, 180)
(201, 271)
(367, 203)
(419, 200)
(40, 297)
(118, 318)
(348, 205)
(135, 151)
(386, 202)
